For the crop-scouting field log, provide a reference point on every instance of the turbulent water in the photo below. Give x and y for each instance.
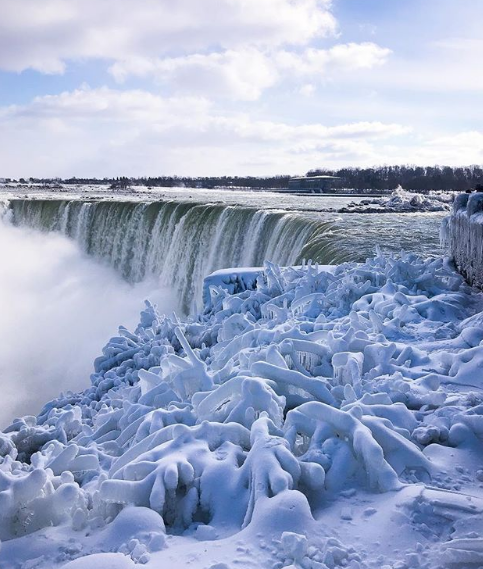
(180, 240)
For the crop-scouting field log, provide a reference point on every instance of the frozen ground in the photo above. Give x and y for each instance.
(402, 201)
(308, 418)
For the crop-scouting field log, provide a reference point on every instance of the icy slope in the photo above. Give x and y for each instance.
(309, 419)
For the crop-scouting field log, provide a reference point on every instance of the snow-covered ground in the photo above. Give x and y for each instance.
(402, 201)
(307, 418)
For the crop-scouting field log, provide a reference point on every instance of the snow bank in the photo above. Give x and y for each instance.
(462, 234)
(402, 201)
(296, 393)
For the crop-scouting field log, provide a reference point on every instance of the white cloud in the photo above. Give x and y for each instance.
(240, 75)
(244, 74)
(106, 132)
(105, 105)
(307, 90)
(358, 56)
(459, 44)
(44, 34)
(461, 148)
(316, 62)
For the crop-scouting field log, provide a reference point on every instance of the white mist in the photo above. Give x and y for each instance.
(57, 310)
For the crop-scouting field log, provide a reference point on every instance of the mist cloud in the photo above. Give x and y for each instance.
(57, 310)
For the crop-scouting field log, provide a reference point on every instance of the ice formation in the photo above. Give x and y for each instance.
(296, 391)
(462, 234)
(402, 201)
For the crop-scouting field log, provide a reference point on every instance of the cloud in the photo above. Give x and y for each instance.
(316, 62)
(44, 34)
(233, 49)
(240, 75)
(105, 105)
(459, 44)
(461, 148)
(307, 90)
(103, 131)
(245, 73)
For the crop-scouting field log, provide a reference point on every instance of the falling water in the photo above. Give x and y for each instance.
(180, 242)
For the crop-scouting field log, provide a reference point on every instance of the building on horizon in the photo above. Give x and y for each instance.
(312, 184)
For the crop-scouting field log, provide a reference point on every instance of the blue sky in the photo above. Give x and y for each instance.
(195, 87)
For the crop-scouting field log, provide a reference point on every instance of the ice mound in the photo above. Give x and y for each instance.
(301, 382)
(402, 201)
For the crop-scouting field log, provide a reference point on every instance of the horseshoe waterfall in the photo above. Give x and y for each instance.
(180, 242)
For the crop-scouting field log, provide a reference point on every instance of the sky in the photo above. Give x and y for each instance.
(237, 87)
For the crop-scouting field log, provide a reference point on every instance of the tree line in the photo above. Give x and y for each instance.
(416, 178)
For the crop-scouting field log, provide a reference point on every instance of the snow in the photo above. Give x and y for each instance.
(231, 280)
(307, 418)
(402, 201)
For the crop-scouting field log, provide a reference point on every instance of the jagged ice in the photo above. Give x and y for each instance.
(295, 389)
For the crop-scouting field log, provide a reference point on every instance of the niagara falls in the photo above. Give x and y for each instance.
(241, 284)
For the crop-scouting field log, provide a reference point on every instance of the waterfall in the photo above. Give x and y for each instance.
(178, 242)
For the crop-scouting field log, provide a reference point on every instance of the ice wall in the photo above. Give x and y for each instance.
(462, 235)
